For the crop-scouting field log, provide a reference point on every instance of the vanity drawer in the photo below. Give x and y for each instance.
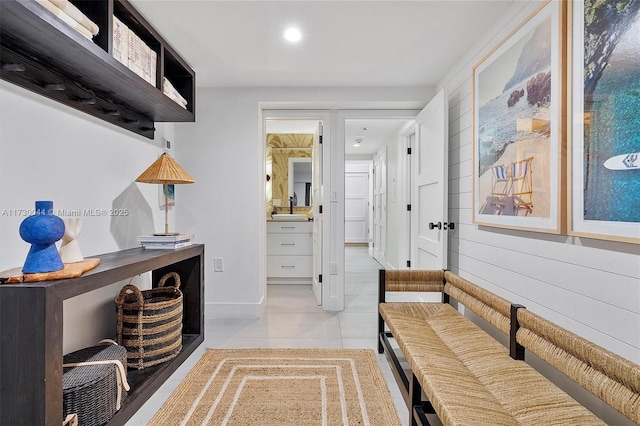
(289, 266)
(289, 227)
(290, 244)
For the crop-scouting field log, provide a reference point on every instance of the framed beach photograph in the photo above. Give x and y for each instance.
(518, 167)
(604, 148)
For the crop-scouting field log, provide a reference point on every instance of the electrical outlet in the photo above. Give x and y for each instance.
(218, 266)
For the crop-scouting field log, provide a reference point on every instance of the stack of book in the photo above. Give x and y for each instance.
(172, 93)
(130, 50)
(71, 16)
(165, 242)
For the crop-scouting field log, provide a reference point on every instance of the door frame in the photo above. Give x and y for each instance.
(333, 181)
(298, 114)
(380, 192)
(337, 178)
(404, 194)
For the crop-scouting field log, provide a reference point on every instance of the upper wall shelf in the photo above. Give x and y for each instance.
(43, 54)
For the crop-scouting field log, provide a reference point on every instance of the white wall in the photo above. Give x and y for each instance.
(51, 152)
(588, 286)
(223, 152)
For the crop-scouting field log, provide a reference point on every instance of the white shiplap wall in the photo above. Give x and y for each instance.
(591, 287)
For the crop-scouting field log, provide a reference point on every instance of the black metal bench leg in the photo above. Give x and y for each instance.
(381, 299)
(415, 397)
(380, 331)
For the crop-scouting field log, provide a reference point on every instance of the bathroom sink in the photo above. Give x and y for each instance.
(296, 217)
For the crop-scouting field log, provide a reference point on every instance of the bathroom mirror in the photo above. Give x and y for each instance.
(300, 181)
(283, 149)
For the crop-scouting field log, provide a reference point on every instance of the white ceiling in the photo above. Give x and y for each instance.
(345, 43)
(374, 132)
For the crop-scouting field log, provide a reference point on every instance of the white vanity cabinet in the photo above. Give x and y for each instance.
(289, 252)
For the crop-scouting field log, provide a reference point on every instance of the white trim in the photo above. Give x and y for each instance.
(404, 196)
(328, 294)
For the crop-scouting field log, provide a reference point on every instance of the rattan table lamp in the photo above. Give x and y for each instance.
(165, 171)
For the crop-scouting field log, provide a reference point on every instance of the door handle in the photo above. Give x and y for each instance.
(440, 225)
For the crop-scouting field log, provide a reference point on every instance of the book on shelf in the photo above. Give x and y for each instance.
(67, 7)
(166, 246)
(136, 52)
(164, 238)
(133, 52)
(170, 91)
(62, 15)
(120, 41)
(152, 67)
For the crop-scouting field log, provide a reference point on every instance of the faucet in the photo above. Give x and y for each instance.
(290, 205)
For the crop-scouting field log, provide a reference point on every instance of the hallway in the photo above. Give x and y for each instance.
(293, 320)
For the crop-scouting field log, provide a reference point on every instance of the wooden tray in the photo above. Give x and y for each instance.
(71, 270)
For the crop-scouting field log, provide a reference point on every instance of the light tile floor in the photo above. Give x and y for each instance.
(292, 319)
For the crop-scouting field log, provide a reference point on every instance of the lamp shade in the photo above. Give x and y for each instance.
(165, 170)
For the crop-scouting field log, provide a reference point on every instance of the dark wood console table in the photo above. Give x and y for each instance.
(31, 333)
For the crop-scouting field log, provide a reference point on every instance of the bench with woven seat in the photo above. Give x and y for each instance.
(469, 377)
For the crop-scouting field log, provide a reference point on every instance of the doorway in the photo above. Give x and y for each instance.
(375, 157)
(293, 196)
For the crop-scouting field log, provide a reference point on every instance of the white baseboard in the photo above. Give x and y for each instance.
(233, 310)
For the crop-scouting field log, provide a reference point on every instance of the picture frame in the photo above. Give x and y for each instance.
(518, 128)
(604, 148)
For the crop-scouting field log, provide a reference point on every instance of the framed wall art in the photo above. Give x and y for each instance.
(518, 166)
(604, 149)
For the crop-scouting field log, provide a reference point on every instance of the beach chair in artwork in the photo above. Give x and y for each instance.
(500, 185)
(522, 184)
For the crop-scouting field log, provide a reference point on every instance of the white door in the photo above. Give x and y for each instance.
(316, 187)
(356, 194)
(380, 206)
(429, 198)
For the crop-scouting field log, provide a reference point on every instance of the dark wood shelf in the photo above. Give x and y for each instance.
(43, 54)
(31, 333)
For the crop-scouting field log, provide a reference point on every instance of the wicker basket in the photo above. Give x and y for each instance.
(93, 381)
(150, 323)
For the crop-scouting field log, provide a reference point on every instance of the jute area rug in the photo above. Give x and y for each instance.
(276, 387)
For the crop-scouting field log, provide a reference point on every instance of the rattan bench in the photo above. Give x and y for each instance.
(469, 377)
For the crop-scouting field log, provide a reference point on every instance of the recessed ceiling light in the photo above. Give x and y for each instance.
(357, 145)
(293, 35)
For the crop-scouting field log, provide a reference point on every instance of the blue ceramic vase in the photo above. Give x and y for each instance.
(42, 230)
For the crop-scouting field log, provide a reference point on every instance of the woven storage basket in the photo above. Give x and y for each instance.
(94, 391)
(150, 323)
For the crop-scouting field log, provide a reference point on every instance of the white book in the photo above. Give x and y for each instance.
(65, 18)
(151, 246)
(169, 90)
(120, 41)
(136, 49)
(78, 16)
(152, 67)
(174, 98)
(165, 238)
(146, 63)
